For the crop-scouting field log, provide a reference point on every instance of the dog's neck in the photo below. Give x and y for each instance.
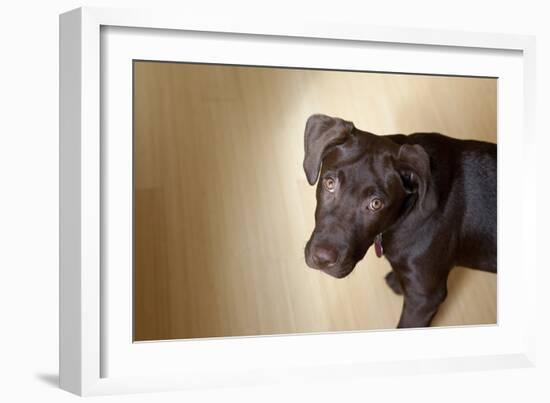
(402, 231)
(408, 204)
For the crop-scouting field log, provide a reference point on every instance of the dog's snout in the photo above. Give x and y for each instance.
(324, 256)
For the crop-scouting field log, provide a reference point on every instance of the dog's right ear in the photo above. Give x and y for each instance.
(322, 132)
(414, 164)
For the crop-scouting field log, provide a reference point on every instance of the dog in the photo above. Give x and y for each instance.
(426, 201)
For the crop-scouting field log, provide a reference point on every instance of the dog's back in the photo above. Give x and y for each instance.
(464, 174)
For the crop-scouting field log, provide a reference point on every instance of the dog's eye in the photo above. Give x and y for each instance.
(375, 204)
(330, 184)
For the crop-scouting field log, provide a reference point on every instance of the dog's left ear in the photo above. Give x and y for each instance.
(322, 132)
(413, 164)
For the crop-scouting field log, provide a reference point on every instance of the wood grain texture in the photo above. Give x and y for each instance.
(222, 209)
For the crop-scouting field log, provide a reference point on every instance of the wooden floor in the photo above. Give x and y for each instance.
(223, 209)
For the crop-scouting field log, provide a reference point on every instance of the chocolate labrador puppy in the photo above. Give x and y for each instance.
(426, 201)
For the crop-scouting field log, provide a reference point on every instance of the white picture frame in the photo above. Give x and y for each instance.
(96, 354)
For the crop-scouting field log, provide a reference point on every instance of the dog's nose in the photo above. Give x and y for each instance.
(324, 256)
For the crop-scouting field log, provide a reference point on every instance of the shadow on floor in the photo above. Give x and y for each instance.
(50, 379)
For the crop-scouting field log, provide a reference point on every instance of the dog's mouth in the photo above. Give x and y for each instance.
(340, 269)
(339, 272)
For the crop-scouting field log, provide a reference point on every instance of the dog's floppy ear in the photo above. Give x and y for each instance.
(322, 132)
(413, 163)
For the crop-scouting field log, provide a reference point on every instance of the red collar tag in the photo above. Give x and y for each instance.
(378, 245)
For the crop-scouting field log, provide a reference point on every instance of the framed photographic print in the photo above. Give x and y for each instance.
(221, 224)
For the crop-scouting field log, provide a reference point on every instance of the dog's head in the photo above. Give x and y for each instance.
(365, 182)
